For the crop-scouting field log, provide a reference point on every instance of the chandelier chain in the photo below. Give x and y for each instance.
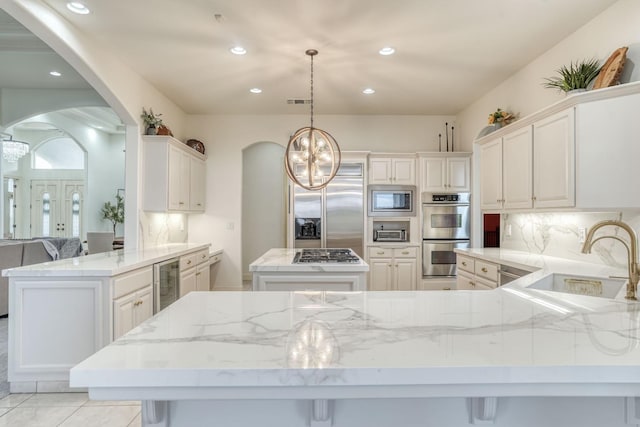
(312, 91)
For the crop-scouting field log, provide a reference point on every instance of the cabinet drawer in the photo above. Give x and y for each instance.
(379, 252)
(486, 270)
(483, 284)
(216, 258)
(406, 252)
(202, 256)
(188, 261)
(465, 263)
(128, 282)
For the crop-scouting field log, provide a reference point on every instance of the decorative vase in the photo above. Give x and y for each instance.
(574, 91)
(151, 130)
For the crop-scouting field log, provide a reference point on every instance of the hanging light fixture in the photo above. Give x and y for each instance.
(313, 155)
(13, 150)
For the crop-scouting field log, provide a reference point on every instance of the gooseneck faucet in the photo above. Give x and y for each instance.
(632, 251)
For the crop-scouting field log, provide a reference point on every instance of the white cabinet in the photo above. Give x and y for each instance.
(174, 176)
(194, 272)
(132, 300)
(392, 170)
(450, 173)
(531, 167)
(476, 274)
(554, 161)
(392, 268)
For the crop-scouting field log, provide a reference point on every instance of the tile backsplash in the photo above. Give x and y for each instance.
(558, 234)
(160, 228)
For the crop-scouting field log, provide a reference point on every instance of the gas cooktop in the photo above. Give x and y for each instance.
(325, 256)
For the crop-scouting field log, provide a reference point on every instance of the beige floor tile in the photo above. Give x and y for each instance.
(14, 400)
(36, 417)
(111, 403)
(137, 421)
(56, 399)
(102, 416)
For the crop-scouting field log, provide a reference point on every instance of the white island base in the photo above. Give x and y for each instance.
(445, 359)
(274, 271)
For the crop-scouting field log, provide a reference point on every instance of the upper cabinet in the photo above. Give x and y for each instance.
(445, 172)
(583, 156)
(396, 170)
(174, 176)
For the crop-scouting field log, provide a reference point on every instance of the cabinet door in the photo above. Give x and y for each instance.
(434, 174)
(197, 185)
(491, 175)
(123, 319)
(458, 174)
(187, 281)
(179, 178)
(380, 274)
(554, 161)
(380, 171)
(143, 306)
(202, 277)
(404, 171)
(517, 185)
(405, 274)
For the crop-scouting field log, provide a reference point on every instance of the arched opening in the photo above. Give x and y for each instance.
(263, 202)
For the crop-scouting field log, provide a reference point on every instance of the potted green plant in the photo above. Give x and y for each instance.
(151, 121)
(574, 77)
(114, 213)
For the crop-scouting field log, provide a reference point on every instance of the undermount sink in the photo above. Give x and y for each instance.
(603, 287)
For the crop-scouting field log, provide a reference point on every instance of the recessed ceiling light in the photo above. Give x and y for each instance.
(77, 7)
(238, 50)
(255, 90)
(368, 91)
(387, 51)
(55, 73)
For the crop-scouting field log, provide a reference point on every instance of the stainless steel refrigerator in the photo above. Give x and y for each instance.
(334, 216)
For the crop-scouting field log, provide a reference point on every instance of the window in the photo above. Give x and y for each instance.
(75, 215)
(59, 153)
(46, 211)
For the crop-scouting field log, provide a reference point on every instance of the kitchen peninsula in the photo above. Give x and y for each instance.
(282, 269)
(63, 311)
(524, 358)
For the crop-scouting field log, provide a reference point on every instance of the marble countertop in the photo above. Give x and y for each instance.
(316, 344)
(280, 260)
(532, 262)
(108, 263)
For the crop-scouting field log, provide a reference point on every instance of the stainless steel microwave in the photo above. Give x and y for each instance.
(392, 200)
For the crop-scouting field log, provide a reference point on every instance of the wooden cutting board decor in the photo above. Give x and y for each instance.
(612, 69)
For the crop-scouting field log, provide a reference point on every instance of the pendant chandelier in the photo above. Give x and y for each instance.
(313, 156)
(13, 150)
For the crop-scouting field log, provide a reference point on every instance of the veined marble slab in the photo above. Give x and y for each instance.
(280, 260)
(105, 264)
(327, 342)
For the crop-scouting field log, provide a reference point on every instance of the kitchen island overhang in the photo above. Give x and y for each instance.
(379, 346)
(277, 271)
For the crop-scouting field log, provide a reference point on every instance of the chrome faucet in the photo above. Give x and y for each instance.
(632, 251)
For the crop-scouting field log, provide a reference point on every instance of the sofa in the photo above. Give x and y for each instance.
(16, 253)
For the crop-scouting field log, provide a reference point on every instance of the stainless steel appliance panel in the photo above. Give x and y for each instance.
(438, 257)
(345, 212)
(307, 208)
(166, 283)
(391, 200)
(445, 221)
(509, 274)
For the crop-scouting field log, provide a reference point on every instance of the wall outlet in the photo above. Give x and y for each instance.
(507, 231)
(582, 234)
(231, 226)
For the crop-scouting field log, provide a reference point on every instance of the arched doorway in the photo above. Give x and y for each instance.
(263, 201)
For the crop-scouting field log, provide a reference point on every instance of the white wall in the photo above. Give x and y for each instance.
(523, 92)
(226, 136)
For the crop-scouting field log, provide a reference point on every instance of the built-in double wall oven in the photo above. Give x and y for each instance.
(445, 227)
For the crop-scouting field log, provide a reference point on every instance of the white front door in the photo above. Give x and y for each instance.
(56, 208)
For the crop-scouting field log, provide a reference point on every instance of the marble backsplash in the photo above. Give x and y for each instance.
(558, 234)
(160, 228)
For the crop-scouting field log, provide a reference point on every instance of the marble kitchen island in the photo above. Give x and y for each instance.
(277, 271)
(440, 358)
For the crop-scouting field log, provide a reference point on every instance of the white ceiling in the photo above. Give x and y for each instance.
(448, 52)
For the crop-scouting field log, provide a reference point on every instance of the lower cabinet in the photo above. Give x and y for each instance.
(476, 274)
(393, 269)
(194, 272)
(131, 310)
(132, 300)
